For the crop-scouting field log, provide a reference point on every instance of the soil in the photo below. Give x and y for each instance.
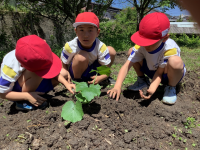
(131, 123)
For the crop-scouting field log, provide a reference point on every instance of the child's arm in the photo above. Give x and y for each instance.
(97, 79)
(121, 76)
(32, 97)
(154, 83)
(69, 86)
(65, 73)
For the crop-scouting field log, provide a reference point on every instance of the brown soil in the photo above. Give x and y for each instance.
(129, 124)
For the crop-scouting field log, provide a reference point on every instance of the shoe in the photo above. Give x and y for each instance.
(108, 81)
(169, 95)
(139, 84)
(29, 106)
(111, 81)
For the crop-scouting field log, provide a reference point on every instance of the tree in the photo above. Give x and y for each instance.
(143, 7)
(61, 10)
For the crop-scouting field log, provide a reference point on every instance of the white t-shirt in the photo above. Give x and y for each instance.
(156, 58)
(11, 70)
(98, 51)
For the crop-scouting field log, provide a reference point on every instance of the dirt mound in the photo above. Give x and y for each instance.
(131, 123)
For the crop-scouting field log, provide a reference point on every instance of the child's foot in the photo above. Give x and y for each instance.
(28, 106)
(139, 84)
(169, 95)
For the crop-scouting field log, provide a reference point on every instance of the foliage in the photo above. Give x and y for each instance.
(61, 10)
(143, 7)
(190, 41)
(117, 32)
(74, 112)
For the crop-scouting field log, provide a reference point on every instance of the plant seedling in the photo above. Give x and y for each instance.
(28, 121)
(190, 123)
(185, 140)
(174, 135)
(193, 144)
(7, 135)
(4, 117)
(126, 130)
(74, 112)
(180, 138)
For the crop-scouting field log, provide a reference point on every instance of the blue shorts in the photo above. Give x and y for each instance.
(45, 86)
(86, 74)
(150, 73)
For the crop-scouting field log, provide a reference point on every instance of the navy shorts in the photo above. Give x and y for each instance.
(45, 86)
(150, 73)
(86, 74)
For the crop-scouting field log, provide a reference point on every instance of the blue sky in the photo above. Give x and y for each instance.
(172, 12)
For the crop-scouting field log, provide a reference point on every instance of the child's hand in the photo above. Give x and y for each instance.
(35, 99)
(148, 96)
(97, 80)
(114, 92)
(71, 88)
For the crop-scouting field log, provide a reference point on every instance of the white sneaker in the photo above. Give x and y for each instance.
(169, 95)
(139, 84)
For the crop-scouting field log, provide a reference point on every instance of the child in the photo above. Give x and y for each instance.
(155, 55)
(29, 71)
(86, 51)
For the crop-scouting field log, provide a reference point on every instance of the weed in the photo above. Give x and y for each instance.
(193, 144)
(170, 143)
(7, 135)
(126, 130)
(174, 135)
(4, 117)
(28, 121)
(47, 111)
(185, 140)
(180, 138)
(190, 123)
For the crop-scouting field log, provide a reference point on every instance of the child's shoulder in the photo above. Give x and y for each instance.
(71, 46)
(170, 44)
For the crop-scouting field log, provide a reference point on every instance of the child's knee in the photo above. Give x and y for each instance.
(175, 62)
(29, 81)
(111, 50)
(81, 58)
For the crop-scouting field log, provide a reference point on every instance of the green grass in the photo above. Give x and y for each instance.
(191, 58)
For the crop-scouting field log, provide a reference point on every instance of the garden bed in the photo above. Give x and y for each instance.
(129, 124)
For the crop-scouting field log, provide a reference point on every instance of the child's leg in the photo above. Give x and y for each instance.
(29, 81)
(174, 70)
(112, 53)
(80, 64)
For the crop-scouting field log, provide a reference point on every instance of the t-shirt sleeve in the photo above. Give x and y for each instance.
(103, 55)
(10, 72)
(166, 55)
(136, 54)
(67, 54)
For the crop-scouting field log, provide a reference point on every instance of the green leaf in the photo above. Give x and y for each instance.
(91, 92)
(80, 86)
(104, 70)
(80, 98)
(72, 112)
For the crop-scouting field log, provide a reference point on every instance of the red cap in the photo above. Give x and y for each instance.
(86, 18)
(153, 27)
(35, 55)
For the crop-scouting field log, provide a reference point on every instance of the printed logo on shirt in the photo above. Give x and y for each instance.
(171, 52)
(103, 48)
(4, 82)
(9, 71)
(107, 56)
(67, 48)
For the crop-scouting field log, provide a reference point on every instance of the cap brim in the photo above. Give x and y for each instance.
(53, 71)
(141, 41)
(81, 23)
